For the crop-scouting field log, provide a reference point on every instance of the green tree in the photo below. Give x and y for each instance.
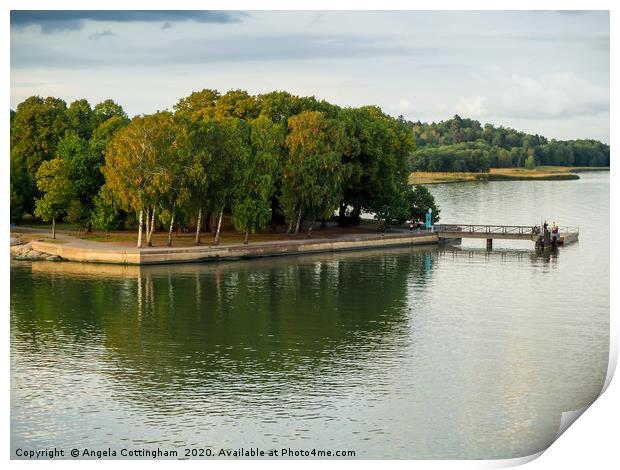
(36, 127)
(392, 208)
(198, 106)
(237, 103)
(104, 215)
(135, 171)
(82, 119)
(53, 181)
(420, 200)
(107, 109)
(78, 214)
(313, 173)
(255, 176)
(530, 163)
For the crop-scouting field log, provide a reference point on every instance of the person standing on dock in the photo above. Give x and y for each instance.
(429, 220)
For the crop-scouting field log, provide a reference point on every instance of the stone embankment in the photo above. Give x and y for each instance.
(72, 249)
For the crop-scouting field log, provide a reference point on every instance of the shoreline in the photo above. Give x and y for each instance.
(93, 252)
(503, 174)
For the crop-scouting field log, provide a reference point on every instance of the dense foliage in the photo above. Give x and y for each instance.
(462, 144)
(261, 158)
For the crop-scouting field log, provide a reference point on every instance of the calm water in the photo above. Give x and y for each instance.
(408, 353)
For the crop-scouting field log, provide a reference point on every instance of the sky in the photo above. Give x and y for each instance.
(544, 72)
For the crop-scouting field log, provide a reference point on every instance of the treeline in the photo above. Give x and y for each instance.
(264, 159)
(461, 144)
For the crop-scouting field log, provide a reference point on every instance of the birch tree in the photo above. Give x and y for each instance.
(135, 170)
(256, 176)
(313, 173)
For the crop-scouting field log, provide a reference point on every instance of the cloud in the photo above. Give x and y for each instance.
(474, 106)
(552, 96)
(242, 48)
(403, 105)
(62, 20)
(102, 34)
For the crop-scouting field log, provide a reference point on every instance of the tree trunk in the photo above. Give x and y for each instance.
(147, 221)
(140, 217)
(298, 222)
(198, 226)
(290, 226)
(342, 213)
(53, 228)
(152, 227)
(309, 234)
(219, 227)
(170, 230)
(355, 215)
(247, 237)
(208, 222)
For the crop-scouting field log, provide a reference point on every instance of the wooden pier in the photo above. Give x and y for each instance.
(507, 232)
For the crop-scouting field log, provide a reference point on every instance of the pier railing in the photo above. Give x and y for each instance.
(525, 230)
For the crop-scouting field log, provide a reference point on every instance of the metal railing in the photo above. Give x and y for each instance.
(525, 230)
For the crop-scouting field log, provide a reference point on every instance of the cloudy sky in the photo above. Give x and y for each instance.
(541, 72)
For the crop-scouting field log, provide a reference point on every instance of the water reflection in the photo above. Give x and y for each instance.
(224, 328)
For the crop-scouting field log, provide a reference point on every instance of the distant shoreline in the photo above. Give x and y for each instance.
(543, 173)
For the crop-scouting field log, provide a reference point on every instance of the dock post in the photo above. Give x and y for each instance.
(489, 243)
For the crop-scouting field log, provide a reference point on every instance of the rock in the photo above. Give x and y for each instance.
(25, 252)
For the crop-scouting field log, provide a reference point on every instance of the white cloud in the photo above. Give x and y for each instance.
(474, 107)
(403, 105)
(553, 95)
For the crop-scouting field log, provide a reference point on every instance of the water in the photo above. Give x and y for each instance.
(404, 353)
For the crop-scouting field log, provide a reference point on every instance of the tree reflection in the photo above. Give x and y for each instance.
(223, 328)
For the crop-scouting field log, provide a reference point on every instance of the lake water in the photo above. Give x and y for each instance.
(407, 353)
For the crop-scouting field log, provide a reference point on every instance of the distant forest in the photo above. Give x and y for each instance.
(462, 144)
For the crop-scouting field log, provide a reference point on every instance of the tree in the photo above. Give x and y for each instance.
(136, 166)
(228, 151)
(82, 119)
(393, 207)
(83, 165)
(530, 163)
(107, 109)
(255, 176)
(313, 173)
(78, 214)
(420, 201)
(36, 127)
(53, 180)
(104, 215)
(237, 103)
(198, 106)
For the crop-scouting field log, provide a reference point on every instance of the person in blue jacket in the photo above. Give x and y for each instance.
(429, 219)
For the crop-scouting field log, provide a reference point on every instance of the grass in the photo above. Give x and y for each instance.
(434, 177)
(502, 174)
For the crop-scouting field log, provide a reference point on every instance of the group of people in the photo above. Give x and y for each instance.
(544, 228)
